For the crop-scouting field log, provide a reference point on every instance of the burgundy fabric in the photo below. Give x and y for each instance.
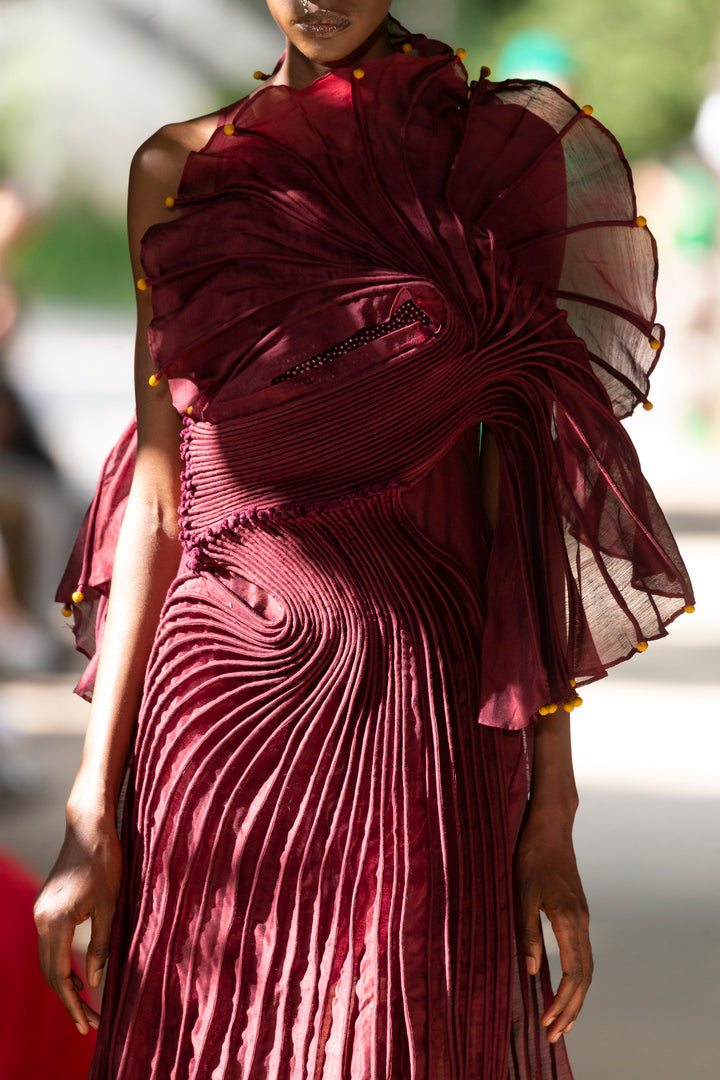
(509, 219)
(319, 832)
(89, 568)
(37, 1037)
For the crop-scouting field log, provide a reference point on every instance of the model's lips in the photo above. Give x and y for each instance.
(322, 22)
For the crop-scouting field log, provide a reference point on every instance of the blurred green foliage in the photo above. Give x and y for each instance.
(76, 255)
(643, 64)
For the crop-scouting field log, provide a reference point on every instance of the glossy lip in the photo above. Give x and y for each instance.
(322, 22)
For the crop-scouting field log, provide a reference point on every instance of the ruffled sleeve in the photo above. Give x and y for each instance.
(85, 585)
(583, 570)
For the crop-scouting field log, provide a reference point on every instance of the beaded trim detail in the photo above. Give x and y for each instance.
(408, 314)
(199, 543)
(199, 548)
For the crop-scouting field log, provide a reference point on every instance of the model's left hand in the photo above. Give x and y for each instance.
(548, 880)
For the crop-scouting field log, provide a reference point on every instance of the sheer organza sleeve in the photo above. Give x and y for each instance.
(583, 570)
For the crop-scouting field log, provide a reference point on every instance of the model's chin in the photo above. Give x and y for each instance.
(333, 42)
(326, 49)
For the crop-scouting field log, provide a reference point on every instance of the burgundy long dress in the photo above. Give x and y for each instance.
(334, 749)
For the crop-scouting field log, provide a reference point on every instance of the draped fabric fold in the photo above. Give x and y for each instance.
(362, 279)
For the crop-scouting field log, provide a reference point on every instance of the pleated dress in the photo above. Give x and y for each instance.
(334, 749)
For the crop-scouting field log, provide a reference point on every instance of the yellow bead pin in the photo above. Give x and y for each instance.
(78, 596)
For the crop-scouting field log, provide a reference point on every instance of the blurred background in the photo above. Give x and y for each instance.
(82, 83)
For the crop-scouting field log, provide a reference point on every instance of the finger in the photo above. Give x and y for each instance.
(567, 1011)
(577, 965)
(99, 945)
(78, 1006)
(44, 950)
(44, 936)
(568, 1000)
(92, 1017)
(59, 974)
(532, 939)
(73, 1003)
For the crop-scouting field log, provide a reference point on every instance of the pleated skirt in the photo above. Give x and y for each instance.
(318, 833)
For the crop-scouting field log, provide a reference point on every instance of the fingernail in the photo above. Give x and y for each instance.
(569, 1027)
(548, 1022)
(530, 962)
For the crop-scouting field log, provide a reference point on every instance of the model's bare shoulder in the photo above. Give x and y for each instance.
(161, 158)
(156, 170)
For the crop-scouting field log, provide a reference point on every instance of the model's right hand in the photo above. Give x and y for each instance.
(83, 884)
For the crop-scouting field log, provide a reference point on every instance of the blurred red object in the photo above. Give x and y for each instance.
(37, 1037)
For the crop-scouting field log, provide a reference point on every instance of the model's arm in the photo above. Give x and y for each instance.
(546, 872)
(85, 879)
(547, 876)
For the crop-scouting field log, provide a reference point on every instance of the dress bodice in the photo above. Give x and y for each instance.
(359, 273)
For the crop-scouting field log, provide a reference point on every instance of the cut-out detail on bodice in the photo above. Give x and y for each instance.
(408, 314)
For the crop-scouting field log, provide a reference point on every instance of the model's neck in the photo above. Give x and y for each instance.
(298, 70)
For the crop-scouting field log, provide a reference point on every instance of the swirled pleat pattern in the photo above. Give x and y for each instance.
(322, 833)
